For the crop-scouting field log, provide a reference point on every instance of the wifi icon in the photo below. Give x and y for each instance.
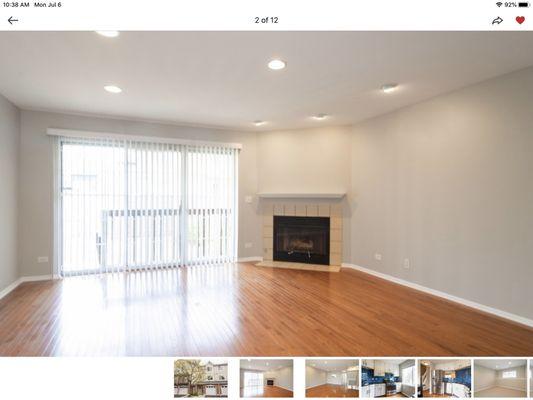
(499, 4)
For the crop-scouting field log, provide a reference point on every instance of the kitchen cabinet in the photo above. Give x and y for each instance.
(448, 388)
(379, 368)
(380, 390)
(395, 370)
(366, 392)
(398, 387)
(460, 391)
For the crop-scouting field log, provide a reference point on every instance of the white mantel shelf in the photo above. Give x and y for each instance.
(301, 195)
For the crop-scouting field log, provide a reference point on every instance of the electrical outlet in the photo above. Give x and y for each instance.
(377, 256)
(42, 259)
(248, 245)
(406, 263)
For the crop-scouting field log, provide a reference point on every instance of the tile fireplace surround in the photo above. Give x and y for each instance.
(333, 210)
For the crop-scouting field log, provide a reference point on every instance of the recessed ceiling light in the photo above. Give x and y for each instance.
(276, 64)
(389, 87)
(320, 117)
(113, 89)
(109, 34)
(259, 123)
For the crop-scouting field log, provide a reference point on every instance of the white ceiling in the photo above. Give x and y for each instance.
(500, 364)
(221, 79)
(329, 365)
(265, 365)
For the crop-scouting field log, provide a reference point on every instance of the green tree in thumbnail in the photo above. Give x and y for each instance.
(189, 372)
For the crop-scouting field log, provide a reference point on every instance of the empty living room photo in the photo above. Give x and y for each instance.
(268, 194)
(500, 378)
(331, 378)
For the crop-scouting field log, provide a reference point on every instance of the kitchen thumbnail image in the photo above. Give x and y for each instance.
(388, 378)
(445, 378)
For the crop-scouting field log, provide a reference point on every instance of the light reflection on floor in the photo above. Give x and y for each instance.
(147, 312)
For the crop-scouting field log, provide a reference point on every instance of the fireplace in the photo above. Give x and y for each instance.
(301, 239)
(270, 381)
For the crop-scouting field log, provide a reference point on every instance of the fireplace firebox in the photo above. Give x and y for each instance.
(301, 239)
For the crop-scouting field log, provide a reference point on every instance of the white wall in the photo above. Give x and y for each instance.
(36, 177)
(314, 377)
(447, 183)
(484, 378)
(9, 170)
(518, 383)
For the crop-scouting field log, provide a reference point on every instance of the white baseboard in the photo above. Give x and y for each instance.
(283, 387)
(250, 259)
(23, 279)
(35, 278)
(314, 386)
(481, 307)
(8, 289)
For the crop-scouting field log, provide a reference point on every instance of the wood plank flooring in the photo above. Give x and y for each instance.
(328, 390)
(244, 310)
(265, 391)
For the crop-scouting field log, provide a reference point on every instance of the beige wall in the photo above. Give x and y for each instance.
(9, 160)
(306, 160)
(447, 184)
(484, 378)
(36, 178)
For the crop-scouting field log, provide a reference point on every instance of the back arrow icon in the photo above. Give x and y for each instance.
(11, 20)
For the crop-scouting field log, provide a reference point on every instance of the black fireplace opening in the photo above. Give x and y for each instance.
(301, 239)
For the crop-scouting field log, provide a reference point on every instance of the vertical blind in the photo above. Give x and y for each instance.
(127, 205)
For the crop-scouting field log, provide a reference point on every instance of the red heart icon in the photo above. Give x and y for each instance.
(520, 20)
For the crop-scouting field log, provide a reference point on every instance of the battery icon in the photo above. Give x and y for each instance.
(523, 4)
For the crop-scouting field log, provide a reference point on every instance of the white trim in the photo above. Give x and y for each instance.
(481, 307)
(250, 259)
(35, 278)
(149, 139)
(8, 289)
(320, 384)
(283, 387)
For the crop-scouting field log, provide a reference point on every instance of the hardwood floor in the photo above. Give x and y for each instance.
(265, 391)
(243, 310)
(331, 391)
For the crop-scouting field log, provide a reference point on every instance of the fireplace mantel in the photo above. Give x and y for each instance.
(271, 195)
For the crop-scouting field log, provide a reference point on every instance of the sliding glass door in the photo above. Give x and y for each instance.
(132, 205)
